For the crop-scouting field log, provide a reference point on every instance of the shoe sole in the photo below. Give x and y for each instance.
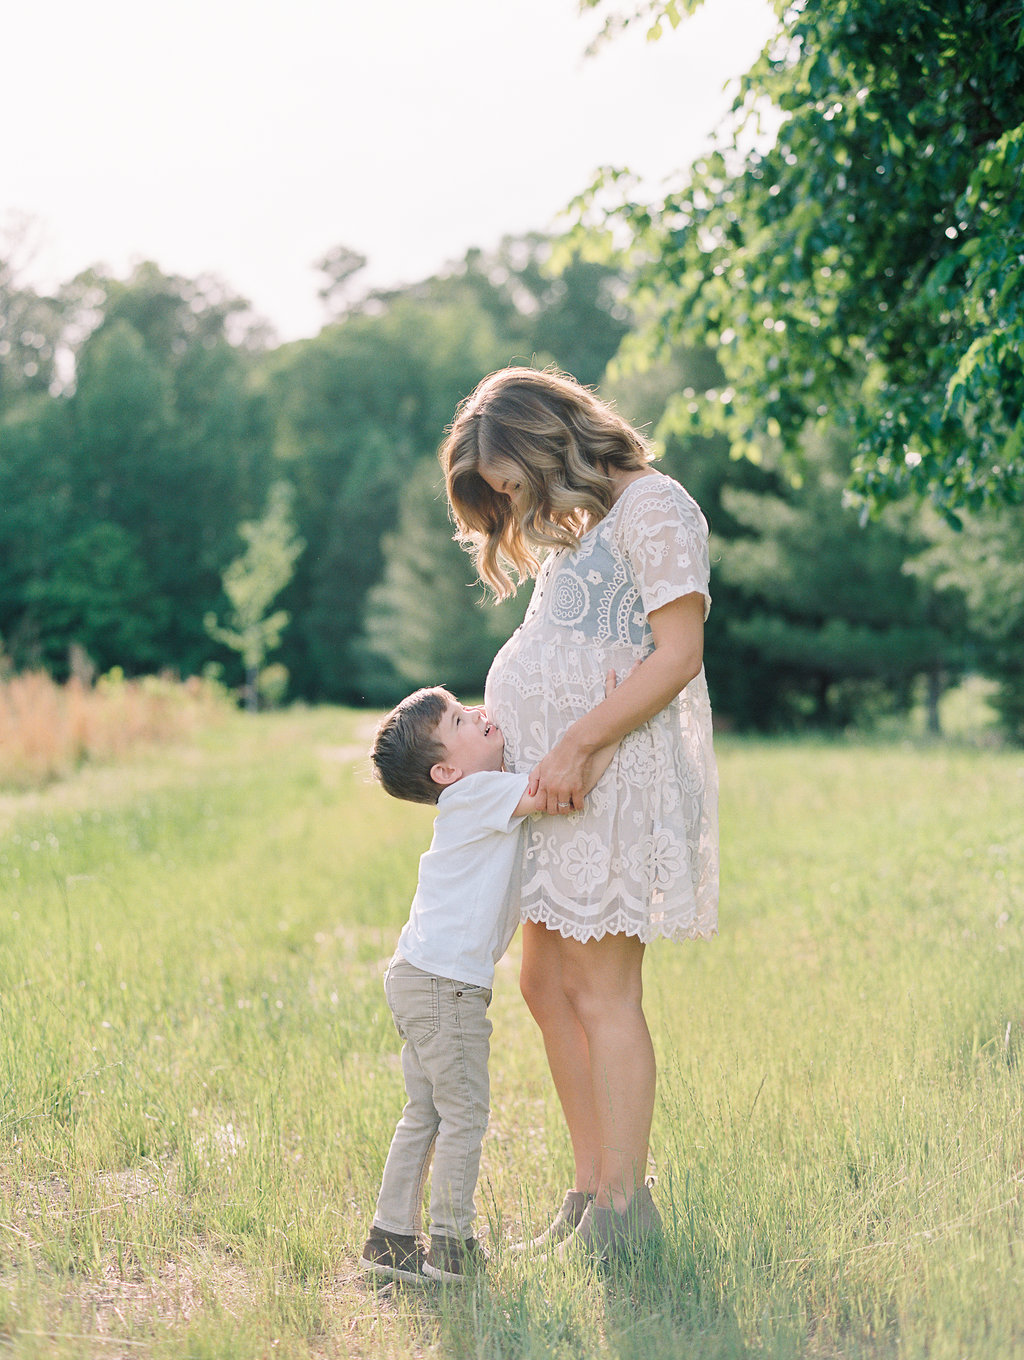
(444, 1276)
(393, 1272)
(546, 1242)
(623, 1252)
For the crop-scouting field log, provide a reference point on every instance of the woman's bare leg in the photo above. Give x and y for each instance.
(602, 981)
(565, 1043)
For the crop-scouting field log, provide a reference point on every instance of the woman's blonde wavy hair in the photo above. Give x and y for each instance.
(557, 442)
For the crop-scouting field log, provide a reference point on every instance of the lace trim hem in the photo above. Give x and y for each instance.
(619, 924)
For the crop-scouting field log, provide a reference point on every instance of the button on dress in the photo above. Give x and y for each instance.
(642, 858)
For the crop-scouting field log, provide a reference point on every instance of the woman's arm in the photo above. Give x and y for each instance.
(569, 771)
(532, 801)
(538, 800)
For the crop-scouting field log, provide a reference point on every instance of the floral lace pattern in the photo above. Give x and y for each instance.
(642, 858)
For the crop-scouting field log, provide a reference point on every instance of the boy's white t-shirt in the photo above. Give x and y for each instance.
(466, 907)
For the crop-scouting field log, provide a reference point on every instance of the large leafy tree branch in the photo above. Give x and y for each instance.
(864, 267)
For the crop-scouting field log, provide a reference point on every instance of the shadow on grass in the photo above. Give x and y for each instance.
(646, 1308)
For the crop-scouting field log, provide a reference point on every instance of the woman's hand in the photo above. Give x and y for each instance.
(564, 777)
(568, 772)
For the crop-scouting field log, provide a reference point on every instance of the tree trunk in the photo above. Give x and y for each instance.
(252, 692)
(936, 688)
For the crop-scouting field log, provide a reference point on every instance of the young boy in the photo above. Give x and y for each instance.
(431, 749)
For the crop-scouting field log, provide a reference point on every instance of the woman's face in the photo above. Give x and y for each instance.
(500, 483)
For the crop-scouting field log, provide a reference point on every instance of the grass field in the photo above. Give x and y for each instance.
(199, 1078)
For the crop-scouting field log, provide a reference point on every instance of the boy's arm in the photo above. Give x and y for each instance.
(530, 803)
(601, 759)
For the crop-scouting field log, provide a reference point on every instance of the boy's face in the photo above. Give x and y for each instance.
(471, 741)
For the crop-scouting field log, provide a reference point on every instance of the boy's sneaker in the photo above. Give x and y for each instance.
(395, 1255)
(452, 1258)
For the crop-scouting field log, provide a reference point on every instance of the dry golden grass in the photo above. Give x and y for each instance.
(48, 730)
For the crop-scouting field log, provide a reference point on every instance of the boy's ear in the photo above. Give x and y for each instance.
(444, 774)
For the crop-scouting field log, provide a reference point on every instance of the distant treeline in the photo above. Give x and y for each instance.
(142, 420)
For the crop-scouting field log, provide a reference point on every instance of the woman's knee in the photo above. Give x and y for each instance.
(540, 975)
(586, 997)
(598, 993)
(543, 994)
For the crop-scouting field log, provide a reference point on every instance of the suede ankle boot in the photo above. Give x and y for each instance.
(562, 1225)
(605, 1233)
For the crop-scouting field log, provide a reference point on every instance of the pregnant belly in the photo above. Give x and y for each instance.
(506, 701)
(535, 690)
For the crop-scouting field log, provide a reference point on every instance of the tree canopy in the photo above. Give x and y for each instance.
(863, 266)
(135, 473)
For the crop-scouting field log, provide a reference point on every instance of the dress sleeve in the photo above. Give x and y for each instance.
(664, 539)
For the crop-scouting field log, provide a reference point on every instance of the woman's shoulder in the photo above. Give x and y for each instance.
(656, 495)
(663, 537)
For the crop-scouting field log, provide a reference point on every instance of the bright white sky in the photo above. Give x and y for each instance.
(245, 138)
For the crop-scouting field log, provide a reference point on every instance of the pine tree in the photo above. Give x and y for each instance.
(252, 582)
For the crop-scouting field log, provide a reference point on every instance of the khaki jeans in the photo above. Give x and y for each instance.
(446, 1044)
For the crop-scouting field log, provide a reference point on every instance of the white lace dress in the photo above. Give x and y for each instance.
(642, 858)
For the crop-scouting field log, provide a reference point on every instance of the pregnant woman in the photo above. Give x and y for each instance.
(546, 480)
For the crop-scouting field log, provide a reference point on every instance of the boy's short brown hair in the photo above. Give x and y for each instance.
(406, 746)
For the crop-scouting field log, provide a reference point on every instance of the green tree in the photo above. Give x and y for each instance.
(984, 564)
(829, 602)
(97, 595)
(35, 510)
(428, 620)
(864, 266)
(815, 618)
(122, 412)
(357, 408)
(169, 440)
(172, 313)
(32, 325)
(252, 582)
(145, 443)
(546, 305)
(361, 405)
(339, 267)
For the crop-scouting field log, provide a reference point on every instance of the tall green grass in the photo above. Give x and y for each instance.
(199, 1079)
